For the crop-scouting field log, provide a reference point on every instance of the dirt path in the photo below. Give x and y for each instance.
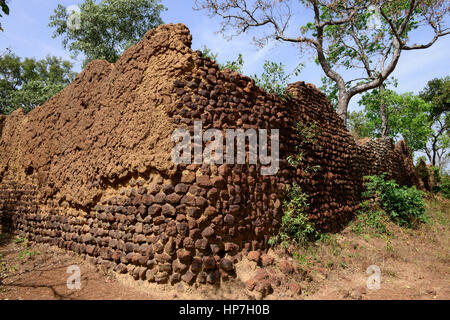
(40, 272)
(414, 264)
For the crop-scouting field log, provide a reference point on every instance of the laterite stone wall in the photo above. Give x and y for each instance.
(90, 170)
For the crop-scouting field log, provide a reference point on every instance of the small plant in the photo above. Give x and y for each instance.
(272, 241)
(405, 206)
(19, 240)
(295, 160)
(5, 268)
(388, 246)
(301, 258)
(313, 168)
(307, 132)
(295, 225)
(308, 135)
(370, 220)
(237, 65)
(207, 53)
(274, 78)
(330, 240)
(26, 253)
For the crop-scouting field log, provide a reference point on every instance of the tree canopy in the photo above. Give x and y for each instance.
(437, 92)
(106, 29)
(29, 82)
(408, 116)
(422, 120)
(5, 9)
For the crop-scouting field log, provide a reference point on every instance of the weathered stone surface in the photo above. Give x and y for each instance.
(226, 264)
(295, 288)
(168, 210)
(90, 170)
(253, 256)
(209, 263)
(173, 198)
(188, 277)
(285, 267)
(208, 232)
(181, 188)
(213, 277)
(264, 287)
(154, 210)
(266, 260)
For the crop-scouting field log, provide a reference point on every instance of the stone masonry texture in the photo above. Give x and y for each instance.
(90, 170)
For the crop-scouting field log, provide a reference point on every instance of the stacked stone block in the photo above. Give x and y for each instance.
(193, 223)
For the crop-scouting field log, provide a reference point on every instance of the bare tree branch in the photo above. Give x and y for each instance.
(338, 33)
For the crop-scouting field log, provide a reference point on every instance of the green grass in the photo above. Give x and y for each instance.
(26, 253)
(20, 240)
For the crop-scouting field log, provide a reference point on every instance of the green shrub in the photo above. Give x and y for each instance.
(295, 225)
(405, 206)
(442, 181)
(445, 186)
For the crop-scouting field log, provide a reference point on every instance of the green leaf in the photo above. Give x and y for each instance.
(5, 7)
(108, 27)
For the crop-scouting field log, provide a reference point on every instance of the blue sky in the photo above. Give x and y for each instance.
(27, 35)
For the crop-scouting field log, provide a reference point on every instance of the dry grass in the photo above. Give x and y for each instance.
(414, 263)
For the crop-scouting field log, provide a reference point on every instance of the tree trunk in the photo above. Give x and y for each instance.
(433, 161)
(434, 149)
(383, 115)
(342, 107)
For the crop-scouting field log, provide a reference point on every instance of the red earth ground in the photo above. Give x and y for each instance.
(414, 265)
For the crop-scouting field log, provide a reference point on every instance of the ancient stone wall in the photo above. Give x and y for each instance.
(90, 170)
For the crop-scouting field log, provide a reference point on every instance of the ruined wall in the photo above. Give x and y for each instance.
(380, 155)
(91, 170)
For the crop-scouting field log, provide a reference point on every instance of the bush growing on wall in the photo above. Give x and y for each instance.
(404, 205)
(295, 225)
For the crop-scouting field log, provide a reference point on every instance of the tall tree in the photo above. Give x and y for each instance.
(342, 34)
(407, 114)
(438, 146)
(29, 82)
(409, 117)
(106, 28)
(359, 125)
(437, 93)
